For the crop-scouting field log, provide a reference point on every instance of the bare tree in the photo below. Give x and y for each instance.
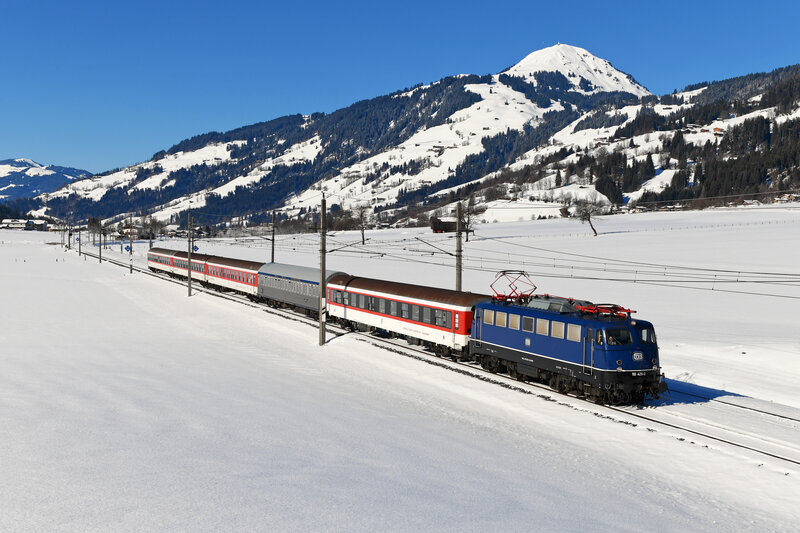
(588, 208)
(363, 216)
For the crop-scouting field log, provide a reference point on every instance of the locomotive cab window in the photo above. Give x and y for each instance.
(618, 336)
(647, 335)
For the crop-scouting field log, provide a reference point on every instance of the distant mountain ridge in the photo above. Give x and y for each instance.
(560, 126)
(23, 178)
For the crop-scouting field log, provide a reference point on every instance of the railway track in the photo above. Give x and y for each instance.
(757, 430)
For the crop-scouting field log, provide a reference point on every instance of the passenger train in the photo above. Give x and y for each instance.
(595, 351)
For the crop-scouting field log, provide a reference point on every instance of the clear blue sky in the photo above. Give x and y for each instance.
(98, 85)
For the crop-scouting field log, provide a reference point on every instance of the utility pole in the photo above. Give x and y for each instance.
(273, 237)
(458, 246)
(130, 237)
(100, 248)
(322, 272)
(189, 253)
(79, 241)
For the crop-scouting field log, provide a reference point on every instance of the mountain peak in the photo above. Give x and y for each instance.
(576, 63)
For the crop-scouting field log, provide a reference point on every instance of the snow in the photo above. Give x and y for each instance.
(654, 185)
(303, 152)
(440, 147)
(576, 63)
(128, 406)
(95, 188)
(6, 169)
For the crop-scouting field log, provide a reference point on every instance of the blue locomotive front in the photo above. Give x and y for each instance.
(598, 352)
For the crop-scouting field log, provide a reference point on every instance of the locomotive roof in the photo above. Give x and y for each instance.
(546, 302)
(284, 270)
(419, 292)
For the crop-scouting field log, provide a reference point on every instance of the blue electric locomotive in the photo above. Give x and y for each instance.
(597, 351)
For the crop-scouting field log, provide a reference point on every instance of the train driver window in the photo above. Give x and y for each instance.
(618, 336)
(647, 335)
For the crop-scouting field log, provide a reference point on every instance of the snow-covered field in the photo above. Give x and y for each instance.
(127, 406)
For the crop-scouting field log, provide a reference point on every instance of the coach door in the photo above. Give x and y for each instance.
(588, 351)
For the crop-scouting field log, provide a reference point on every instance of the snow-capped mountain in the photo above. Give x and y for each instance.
(559, 126)
(23, 178)
(579, 67)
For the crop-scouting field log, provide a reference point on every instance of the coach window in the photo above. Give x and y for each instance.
(415, 315)
(382, 306)
(442, 318)
(426, 315)
(488, 317)
(393, 308)
(513, 321)
(500, 319)
(404, 311)
(542, 326)
(557, 330)
(527, 324)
